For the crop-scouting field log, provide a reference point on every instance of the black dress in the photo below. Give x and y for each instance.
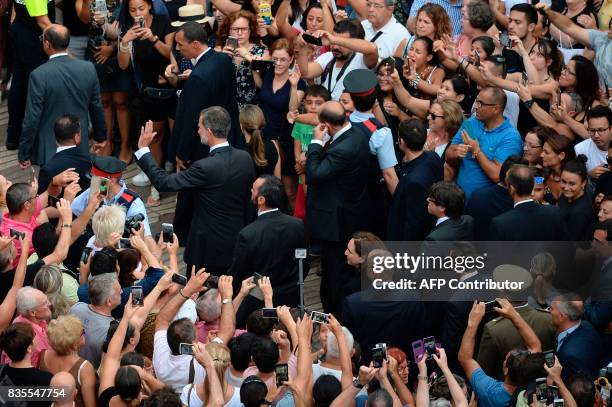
(579, 217)
(271, 157)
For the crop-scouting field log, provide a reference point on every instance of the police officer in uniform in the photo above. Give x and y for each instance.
(118, 193)
(382, 178)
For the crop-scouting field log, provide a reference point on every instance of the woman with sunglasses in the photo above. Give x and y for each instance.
(66, 336)
(556, 152)
(445, 118)
(576, 203)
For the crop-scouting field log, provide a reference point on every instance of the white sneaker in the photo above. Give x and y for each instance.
(154, 198)
(141, 180)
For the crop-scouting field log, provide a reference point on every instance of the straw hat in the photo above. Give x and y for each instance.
(193, 12)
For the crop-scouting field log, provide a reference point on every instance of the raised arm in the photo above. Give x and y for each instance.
(309, 70)
(141, 315)
(215, 395)
(227, 7)
(227, 322)
(282, 20)
(303, 381)
(360, 7)
(367, 48)
(347, 397)
(525, 331)
(403, 392)
(554, 373)
(466, 350)
(422, 393)
(7, 308)
(168, 311)
(80, 223)
(459, 399)
(284, 316)
(344, 351)
(63, 243)
(565, 24)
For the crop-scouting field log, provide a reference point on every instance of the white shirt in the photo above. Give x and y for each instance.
(393, 33)
(336, 86)
(318, 370)
(62, 148)
(171, 369)
(522, 202)
(259, 213)
(194, 61)
(338, 134)
(216, 146)
(595, 156)
(61, 54)
(442, 219)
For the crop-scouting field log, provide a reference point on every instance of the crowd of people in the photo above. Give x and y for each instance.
(330, 126)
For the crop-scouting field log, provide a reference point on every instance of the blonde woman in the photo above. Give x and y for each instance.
(49, 280)
(107, 223)
(263, 152)
(196, 395)
(65, 335)
(445, 118)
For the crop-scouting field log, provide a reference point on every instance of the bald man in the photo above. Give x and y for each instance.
(65, 382)
(61, 85)
(336, 170)
(484, 142)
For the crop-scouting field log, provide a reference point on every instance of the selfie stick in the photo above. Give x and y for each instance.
(300, 255)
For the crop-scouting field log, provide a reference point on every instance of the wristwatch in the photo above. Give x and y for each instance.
(226, 301)
(357, 384)
(528, 104)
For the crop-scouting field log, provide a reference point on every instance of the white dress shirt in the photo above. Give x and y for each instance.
(338, 134)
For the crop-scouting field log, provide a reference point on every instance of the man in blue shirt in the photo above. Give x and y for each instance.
(483, 142)
(520, 366)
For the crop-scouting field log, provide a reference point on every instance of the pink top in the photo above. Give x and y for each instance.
(461, 40)
(202, 329)
(28, 228)
(40, 341)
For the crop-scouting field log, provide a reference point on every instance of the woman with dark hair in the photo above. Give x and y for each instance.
(556, 152)
(145, 46)
(543, 270)
(579, 77)
(242, 25)
(421, 69)
(122, 385)
(312, 21)
(355, 256)
(533, 143)
(388, 110)
(130, 268)
(576, 203)
(17, 341)
(453, 88)
(263, 152)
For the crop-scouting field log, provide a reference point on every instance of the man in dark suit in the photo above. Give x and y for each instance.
(211, 83)
(527, 221)
(578, 345)
(67, 137)
(221, 185)
(408, 217)
(446, 202)
(488, 202)
(267, 246)
(60, 86)
(336, 170)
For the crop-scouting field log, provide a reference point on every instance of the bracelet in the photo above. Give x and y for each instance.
(183, 295)
(528, 104)
(422, 377)
(65, 225)
(125, 48)
(156, 40)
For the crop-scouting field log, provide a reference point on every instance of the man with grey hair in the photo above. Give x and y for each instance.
(332, 364)
(578, 344)
(105, 295)
(221, 190)
(33, 308)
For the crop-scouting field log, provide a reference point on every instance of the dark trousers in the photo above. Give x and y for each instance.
(334, 275)
(27, 56)
(183, 214)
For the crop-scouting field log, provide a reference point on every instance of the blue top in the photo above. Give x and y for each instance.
(496, 144)
(490, 392)
(80, 203)
(381, 142)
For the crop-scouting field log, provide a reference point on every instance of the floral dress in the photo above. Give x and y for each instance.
(245, 84)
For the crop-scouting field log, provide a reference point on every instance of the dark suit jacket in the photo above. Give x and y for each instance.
(221, 185)
(485, 204)
(267, 246)
(62, 85)
(70, 158)
(337, 186)
(458, 229)
(372, 322)
(408, 217)
(212, 83)
(581, 350)
(529, 221)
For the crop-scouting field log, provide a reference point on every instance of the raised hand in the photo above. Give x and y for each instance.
(146, 135)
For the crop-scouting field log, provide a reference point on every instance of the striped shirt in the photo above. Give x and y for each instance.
(452, 9)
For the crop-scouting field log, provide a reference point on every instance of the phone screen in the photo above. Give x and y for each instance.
(186, 349)
(104, 184)
(430, 346)
(85, 255)
(282, 373)
(137, 295)
(269, 313)
(167, 233)
(417, 349)
(319, 317)
(378, 356)
(179, 279)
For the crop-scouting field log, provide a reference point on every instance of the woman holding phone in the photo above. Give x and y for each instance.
(238, 38)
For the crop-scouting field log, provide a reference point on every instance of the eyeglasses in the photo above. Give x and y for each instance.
(282, 60)
(480, 103)
(566, 69)
(239, 30)
(374, 5)
(600, 131)
(528, 146)
(432, 115)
